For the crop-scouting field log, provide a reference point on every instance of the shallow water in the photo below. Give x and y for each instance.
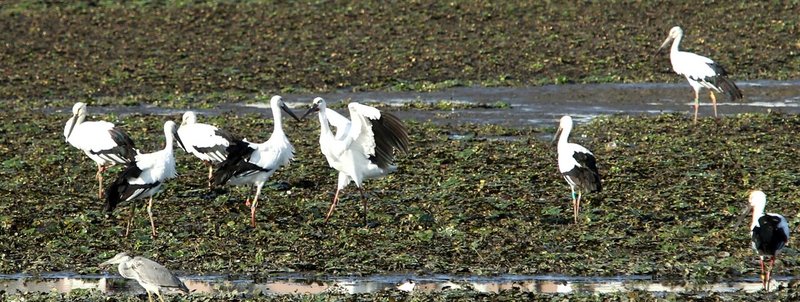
(298, 284)
(540, 105)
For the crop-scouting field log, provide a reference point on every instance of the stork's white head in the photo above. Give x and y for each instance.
(189, 117)
(758, 201)
(118, 258)
(316, 105)
(674, 33)
(79, 108)
(564, 126)
(276, 102)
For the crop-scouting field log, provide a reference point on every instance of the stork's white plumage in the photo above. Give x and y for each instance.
(770, 233)
(577, 165)
(204, 141)
(105, 144)
(701, 72)
(363, 146)
(144, 177)
(251, 163)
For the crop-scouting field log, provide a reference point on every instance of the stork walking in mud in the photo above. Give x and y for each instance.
(104, 143)
(577, 165)
(769, 231)
(701, 72)
(363, 146)
(251, 163)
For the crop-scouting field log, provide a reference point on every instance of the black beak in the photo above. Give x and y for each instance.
(663, 45)
(742, 216)
(289, 111)
(74, 120)
(314, 108)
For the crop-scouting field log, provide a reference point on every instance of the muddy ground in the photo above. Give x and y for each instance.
(460, 206)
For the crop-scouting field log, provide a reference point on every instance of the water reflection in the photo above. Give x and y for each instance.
(354, 285)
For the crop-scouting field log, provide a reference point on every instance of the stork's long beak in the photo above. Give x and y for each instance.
(73, 120)
(314, 108)
(747, 210)
(555, 137)
(664, 45)
(178, 138)
(289, 111)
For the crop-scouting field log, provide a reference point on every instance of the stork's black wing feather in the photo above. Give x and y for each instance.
(586, 176)
(124, 149)
(120, 189)
(236, 163)
(390, 133)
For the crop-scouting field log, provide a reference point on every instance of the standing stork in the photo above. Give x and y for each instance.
(143, 178)
(577, 165)
(770, 233)
(204, 141)
(251, 163)
(105, 144)
(699, 71)
(362, 148)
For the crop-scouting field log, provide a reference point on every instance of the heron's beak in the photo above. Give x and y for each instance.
(73, 120)
(106, 263)
(314, 108)
(555, 137)
(747, 210)
(664, 45)
(289, 111)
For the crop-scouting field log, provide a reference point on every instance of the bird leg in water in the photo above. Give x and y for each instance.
(130, 218)
(253, 206)
(696, 104)
(150, 213)
(713, 101)
(333, 205)
(364, 201)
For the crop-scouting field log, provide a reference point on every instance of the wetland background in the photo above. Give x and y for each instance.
(470, 198)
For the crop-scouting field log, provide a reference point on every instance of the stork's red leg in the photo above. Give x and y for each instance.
(763, 284)
(333, 205)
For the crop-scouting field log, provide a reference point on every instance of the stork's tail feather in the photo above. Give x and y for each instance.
(238, 151)
(730, 88)
(113, 193)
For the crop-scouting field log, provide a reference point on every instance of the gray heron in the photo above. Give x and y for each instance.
(151, 276)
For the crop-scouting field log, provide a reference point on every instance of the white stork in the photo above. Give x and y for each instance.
(577, 165)
(770, 233)
(143, 178)
(204, 141)
(362, 148)
(699, 71)
(105, 144)
(251, 163)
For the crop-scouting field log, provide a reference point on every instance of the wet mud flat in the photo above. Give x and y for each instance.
(460, 203)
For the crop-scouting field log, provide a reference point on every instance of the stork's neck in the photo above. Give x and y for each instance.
(277, 116)
(562, 140)
(325, 128)
(169, 138)
(675, 43)
(758, 212)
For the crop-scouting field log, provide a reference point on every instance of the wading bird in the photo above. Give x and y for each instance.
(577, 164)
(251, 163)
(770, 233)
(206, 142)
(362, 148)
(144, 177)
(699, 71)
(150, 275)
(105, 144)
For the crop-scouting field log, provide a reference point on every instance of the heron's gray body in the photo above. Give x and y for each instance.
(151, 276)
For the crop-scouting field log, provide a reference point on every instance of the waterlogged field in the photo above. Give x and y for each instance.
(468, 199)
